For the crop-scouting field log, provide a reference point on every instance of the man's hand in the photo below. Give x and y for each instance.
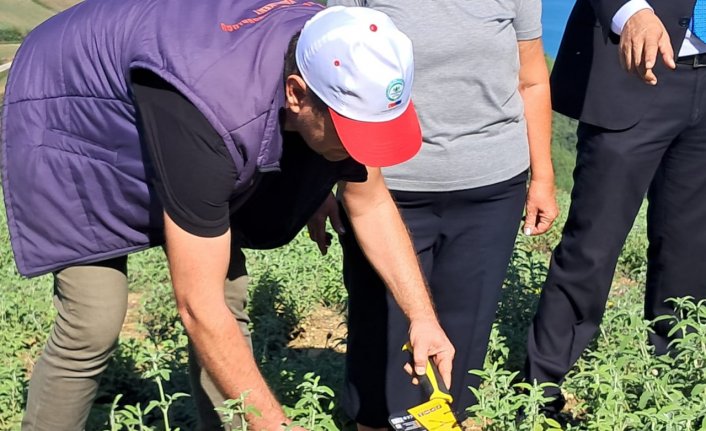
(541, 208)
(317, 223)
(642, 38)
(428, 340)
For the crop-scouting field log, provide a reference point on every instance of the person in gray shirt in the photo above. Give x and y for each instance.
(482, 94)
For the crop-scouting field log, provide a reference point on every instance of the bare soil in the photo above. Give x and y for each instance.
(133, 319)
(324, 328)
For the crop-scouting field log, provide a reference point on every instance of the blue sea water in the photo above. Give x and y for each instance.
(554, 16)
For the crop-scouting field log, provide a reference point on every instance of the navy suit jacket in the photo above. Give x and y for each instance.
(588, 82)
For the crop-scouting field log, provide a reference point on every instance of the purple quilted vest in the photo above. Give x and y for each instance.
(74, 173)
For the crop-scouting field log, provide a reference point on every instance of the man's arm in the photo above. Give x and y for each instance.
(384, 239)
(541, 208)
(198, 268)
(197, 199)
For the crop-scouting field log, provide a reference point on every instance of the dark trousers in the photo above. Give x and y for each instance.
(464, 240)
(664, 155)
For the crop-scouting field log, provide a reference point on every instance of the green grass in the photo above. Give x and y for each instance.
(3, 81)
(7, 51)
(617, 384)
(56, 5)
(22, 15)
(18, 17)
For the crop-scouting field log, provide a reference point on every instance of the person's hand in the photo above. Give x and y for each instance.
(317, 223)
(428, 340)
(541, 208)
(642, 38)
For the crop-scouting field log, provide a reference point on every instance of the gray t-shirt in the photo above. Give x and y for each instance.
(465, 89)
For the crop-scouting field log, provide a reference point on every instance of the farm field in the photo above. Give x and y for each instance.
(7, 51)
(24, 15)
(3, 81)
(17, 18)
(297, 303)
(297, 306)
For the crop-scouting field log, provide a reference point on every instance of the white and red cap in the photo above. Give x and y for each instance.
(362, 67)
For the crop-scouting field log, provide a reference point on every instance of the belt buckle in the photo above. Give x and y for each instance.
(699, 61)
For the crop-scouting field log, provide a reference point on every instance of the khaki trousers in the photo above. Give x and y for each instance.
(91, 301)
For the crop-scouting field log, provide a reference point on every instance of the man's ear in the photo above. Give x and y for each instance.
(295, 93)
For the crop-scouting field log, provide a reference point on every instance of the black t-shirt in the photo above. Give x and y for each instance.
(194, 174)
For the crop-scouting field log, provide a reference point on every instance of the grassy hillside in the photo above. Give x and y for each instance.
(56, 5)
(7, 51)
(21, 15)
(3, 80)
(17, 17)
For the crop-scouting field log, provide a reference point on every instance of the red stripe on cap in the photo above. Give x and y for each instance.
(380, 144)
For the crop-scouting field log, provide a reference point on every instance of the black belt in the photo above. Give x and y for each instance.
(697, 60)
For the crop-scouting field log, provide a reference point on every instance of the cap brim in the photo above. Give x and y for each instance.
(380, 144)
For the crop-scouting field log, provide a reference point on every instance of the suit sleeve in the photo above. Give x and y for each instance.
(605, 10)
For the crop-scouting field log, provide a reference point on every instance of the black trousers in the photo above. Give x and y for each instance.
(464, 240)
(664, 155)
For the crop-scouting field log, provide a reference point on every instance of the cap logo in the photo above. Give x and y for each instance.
(395, 89)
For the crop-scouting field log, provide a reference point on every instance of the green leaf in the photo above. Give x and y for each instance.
(553, 423)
